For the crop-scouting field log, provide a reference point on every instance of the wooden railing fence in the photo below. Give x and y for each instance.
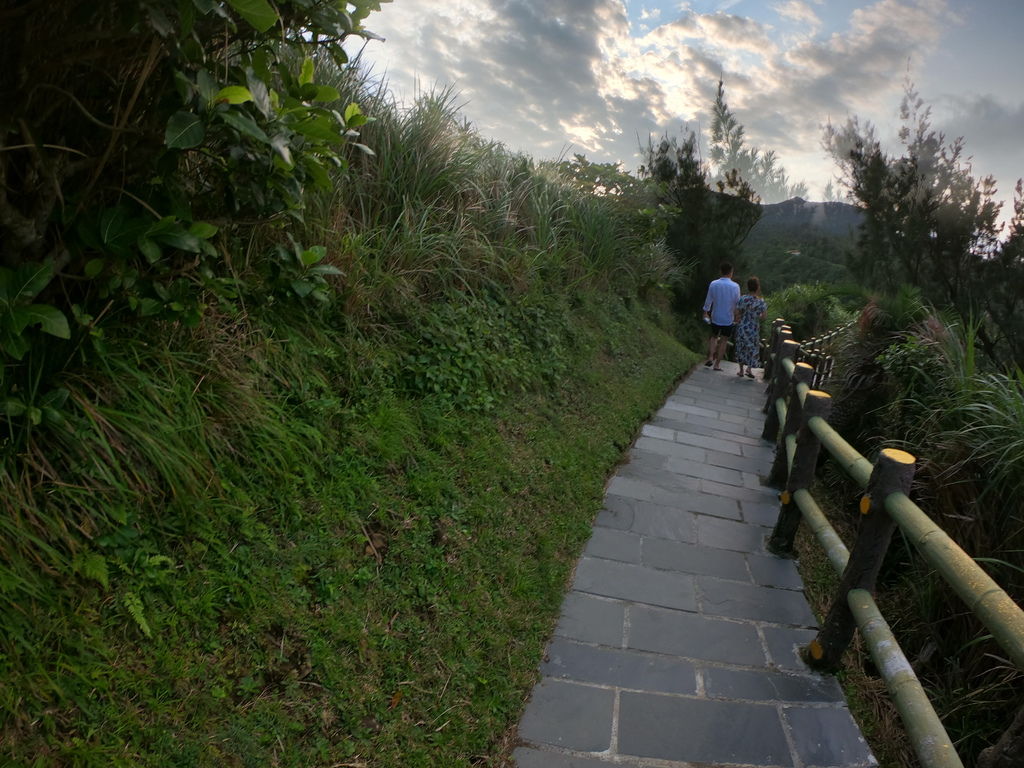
(797, 412)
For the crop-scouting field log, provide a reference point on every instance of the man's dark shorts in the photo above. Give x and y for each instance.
(721, 330)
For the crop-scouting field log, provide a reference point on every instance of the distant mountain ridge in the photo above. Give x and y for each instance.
(801, 241)
(797, 216)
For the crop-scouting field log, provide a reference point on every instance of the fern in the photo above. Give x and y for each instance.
(134, 605)
(92, 565)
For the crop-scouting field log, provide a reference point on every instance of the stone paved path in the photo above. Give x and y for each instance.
(677, 645)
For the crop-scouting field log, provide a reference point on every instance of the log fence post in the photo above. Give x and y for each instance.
(801, 476)
(802, 374)
(788, 350)
(823, 371)
(773, 347)
(893, 471)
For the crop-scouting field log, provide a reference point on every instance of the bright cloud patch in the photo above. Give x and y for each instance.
(547, 76)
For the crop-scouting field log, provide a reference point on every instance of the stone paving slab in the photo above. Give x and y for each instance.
(735, 600)
(718, 425)
(757, 465)
(535, 758)
(691, 438)
(703, 471)
(735, 433)
(678, 450)
(775, 572)
(783, 644)
(647, 519)
(621, 668)
(599, 620)
(712, 416)
(678, 644)
(688, 558)
(569, 715)
(730, 534)
(698, 730)
(760, 494)
(826, 737)
(713, 402)
(633, 487)
(614, 545)
(760, 512)
(691, 635)
(633, 582)
(650, 469)
(758, 685)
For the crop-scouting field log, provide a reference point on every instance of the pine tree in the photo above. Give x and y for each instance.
(760, 169)
(928, 221)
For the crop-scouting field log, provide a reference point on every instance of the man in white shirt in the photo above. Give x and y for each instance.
(719, 309)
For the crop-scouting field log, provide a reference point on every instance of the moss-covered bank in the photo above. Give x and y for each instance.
(359, 579)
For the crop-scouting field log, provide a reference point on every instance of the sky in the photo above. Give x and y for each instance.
(556, 77)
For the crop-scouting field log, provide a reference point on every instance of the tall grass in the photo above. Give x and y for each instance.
(814, 308)
(439, 208)
(930, 395)
(212, 494)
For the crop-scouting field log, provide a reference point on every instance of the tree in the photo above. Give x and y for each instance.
(928, 221)
(704, 226)
(603, 179)
(1002, 279)
(831, 194)
(138, 138)
(760, 169)
(180, 105)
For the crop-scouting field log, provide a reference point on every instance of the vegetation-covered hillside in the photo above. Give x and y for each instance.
(797, 241)
(933, 366)
(308, 397)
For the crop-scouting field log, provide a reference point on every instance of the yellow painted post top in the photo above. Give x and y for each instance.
(900, 457)
(805, 365)
(865, 504)
(818, 393)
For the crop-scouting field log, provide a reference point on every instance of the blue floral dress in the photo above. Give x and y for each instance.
(748, 330)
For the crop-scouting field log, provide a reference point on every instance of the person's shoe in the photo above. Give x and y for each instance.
(750, 375)
(707, 363)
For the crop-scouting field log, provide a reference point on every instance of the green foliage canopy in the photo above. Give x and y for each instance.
(138, 142)
(703, 226)
(930, 223)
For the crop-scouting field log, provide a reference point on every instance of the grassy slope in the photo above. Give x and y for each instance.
(378, 600)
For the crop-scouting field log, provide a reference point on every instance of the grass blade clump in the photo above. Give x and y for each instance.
(342, 499)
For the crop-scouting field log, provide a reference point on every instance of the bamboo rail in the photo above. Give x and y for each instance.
(797, 420)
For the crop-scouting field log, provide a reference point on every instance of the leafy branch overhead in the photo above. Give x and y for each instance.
(139, 139)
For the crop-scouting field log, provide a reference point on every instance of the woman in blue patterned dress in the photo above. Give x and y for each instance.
(749, 311)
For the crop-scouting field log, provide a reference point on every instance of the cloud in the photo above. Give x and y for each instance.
(992, 131)
(857, 71)
(800, 12)
(541, 74)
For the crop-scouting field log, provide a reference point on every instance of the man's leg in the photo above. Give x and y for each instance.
(712, 346)
(720, 351)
